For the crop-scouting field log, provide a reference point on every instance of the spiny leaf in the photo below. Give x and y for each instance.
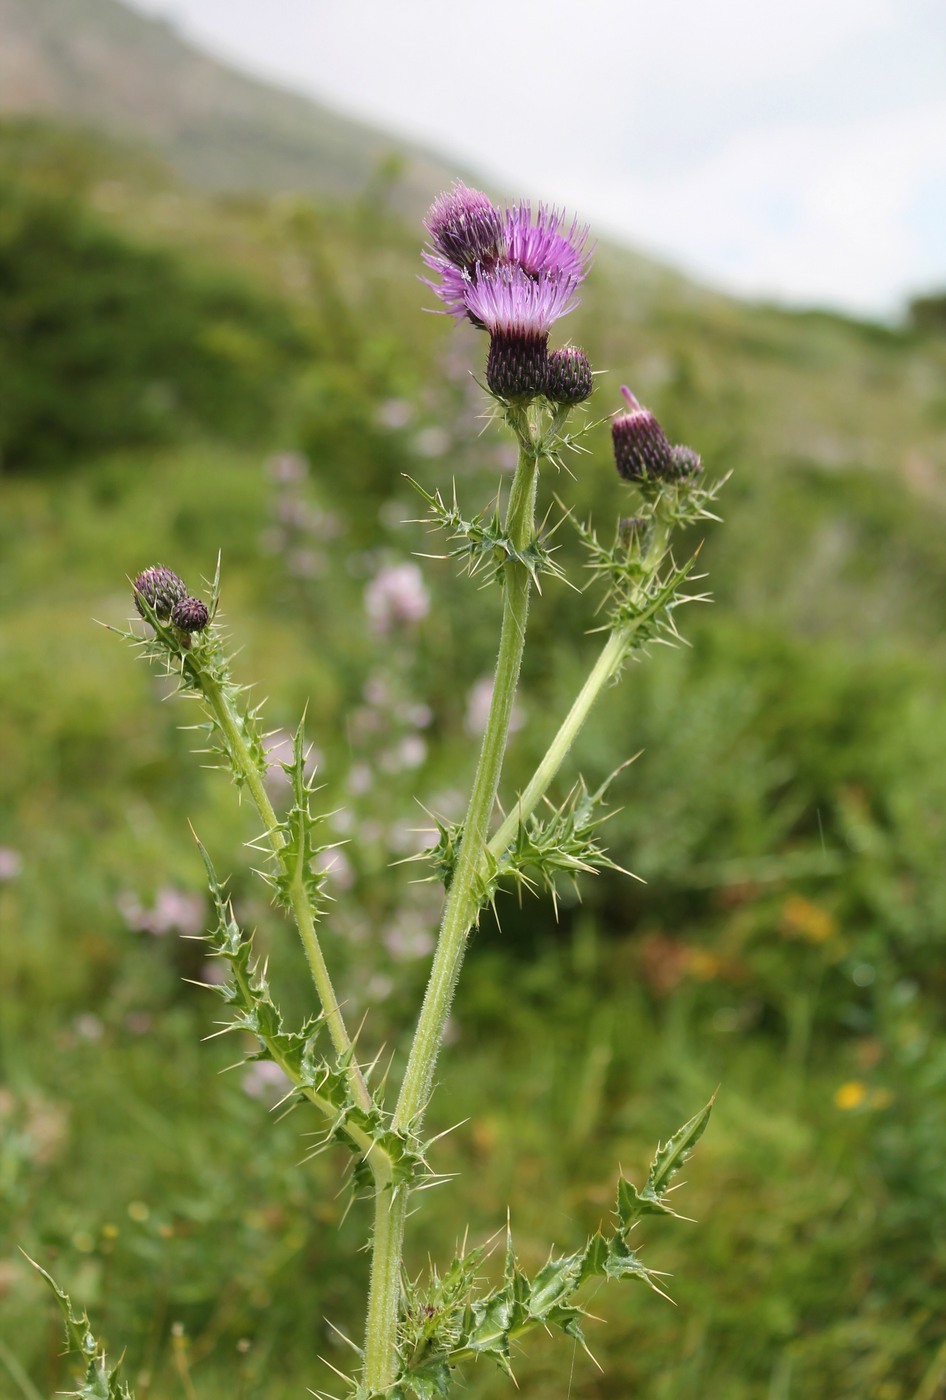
(669, 1158)
(675, 1152)
(641, 593)
(449, 1322)
(430, 1380)
(561, 842)
(101, 1380)
(300, 847)
(489, 1323)
(554, 1282)
(325, 1083)
(483, 542)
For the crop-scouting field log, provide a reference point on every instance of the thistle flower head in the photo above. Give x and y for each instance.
(465, 228)
(508, 300)
(541, 247)
(569, 379)
(160, 588)
(642, 450)
(474, 244)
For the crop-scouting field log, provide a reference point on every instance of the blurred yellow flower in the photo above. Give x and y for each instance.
(804, 919)
(850, 1094)
(703, 964)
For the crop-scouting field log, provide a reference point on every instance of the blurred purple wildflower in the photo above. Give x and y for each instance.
(396, 597)
(263, 1079)
(287, 467)
(11, 863)
(409, 753)
(174, 911)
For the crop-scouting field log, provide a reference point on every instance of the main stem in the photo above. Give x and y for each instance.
(609, 663)
(460, 912)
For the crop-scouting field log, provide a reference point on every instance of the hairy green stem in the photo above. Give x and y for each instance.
(460, 912)
(606, 668)
(463, 901)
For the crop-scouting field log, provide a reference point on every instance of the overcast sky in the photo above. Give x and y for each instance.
(794, 151)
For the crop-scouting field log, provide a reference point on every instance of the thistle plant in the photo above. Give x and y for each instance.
(512, 273)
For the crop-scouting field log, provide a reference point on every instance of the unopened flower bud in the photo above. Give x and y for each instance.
(569, 378)
(190, 615)
(685, 463)
(632, 529)
(517, 364)
(160, 589)
(642, 451)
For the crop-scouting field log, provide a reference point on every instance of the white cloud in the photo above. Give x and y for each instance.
(800, 213)
(786, 150)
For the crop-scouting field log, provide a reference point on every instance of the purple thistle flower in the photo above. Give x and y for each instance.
(465, 228)
(452, 287)
(542, 247)
(473, 244)
(509, 301)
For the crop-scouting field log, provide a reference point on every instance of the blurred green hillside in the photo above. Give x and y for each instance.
(114, 70)
(183, 372)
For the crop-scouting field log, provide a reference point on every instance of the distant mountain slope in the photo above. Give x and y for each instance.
(95, 62)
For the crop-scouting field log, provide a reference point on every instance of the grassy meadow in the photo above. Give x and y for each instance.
(183, 374)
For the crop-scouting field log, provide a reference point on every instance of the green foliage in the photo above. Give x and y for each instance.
(563, 841)
(324, 1082)
(483, 542)
(452, 1320)
(100, 1381)
(929, 313)
(105, 342)
(786, 814)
